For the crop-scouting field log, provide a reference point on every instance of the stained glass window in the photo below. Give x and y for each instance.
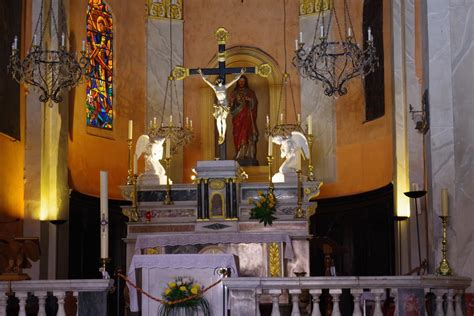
(100, 75)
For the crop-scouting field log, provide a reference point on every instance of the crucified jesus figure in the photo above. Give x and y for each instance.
(221, 109)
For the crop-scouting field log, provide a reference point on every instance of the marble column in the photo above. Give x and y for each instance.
(450, 62)
(158, 70)
(322, 110)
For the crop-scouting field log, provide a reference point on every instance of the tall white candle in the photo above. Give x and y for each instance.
(15, 42)
(83, 45)
(321, 31)
(168, 147)
(309, 121)
(281, 117)
(35, 40)
(187, 122)
(444, 202)
(63, 40)
(301, 37)
(296, 44)
(130, 129)
(191, 124)
(268, 121)
(349, 32)
(270, 145)
(298, 118)
(369, 34)
(104, 215)
(171, 120)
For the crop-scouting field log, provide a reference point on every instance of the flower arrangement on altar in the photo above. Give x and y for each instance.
(264, 207)
(183, 297)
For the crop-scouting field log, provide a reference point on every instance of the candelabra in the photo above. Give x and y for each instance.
(130, 177)
(270, 182)
(167, 200)
(444, 268)
(309, 137)
(299, 211)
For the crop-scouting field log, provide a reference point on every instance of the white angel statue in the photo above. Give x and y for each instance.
(290, 147)
(153, 150)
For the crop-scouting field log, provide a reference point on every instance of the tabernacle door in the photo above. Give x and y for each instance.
(158, 270)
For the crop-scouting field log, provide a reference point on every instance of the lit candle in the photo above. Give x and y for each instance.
(301, 37)
(15, 42)
(171, 120)
(130, 129)
(154, 121)
(104, 215)
(270, 145)
(309, 121)
(321, 29)
(35, 40)
(83, 45)
(187, 122)
(281, 117)
(369, 34)
(268, 121)
(191, 124)
(349, 32)
(168, 147)
(63, 39)
(298, 118)
(135, 164)
(444, 202)
(296, 44)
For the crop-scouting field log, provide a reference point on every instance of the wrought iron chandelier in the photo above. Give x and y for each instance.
(334, 61)
(48, 70)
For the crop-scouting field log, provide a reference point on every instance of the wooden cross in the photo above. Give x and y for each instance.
(180, 72)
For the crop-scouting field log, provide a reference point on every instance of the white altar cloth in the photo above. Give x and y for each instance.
(150, 241)
(158, 270)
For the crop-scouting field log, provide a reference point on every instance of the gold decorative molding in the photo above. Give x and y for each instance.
(222, 35)
(274, 259)
(161, 9)
(131, 213)
(308, 7)
(217, 184)
(263, 70)
(180, 72)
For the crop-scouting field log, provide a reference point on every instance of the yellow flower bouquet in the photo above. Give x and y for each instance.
(183, 296)
(264, 208)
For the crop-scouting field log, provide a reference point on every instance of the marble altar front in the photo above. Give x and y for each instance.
(212, 216)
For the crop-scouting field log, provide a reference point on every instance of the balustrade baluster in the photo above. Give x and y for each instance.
(439, 303)
(76, 296)
(394, 293)
(378, 298)
(258, 293)
(449, 303)
(275, 293)
(356, 293)
(458, 301)
(315, 295)
(60, 295)
(335, 293)
(41, 295)
(3, 304)
(21, 296)
(295, 299)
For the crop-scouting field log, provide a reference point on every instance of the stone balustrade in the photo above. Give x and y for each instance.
(90, 296)
(434, 295)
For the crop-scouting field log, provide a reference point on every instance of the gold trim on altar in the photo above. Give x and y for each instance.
(274, 259)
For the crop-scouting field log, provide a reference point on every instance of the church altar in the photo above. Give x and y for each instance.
(157, 270)
(211, 216)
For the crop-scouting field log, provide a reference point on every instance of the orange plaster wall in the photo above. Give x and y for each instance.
(257, 24)
(88, 154)
(364, 150)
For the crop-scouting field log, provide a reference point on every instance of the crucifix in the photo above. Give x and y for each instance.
(221, 109)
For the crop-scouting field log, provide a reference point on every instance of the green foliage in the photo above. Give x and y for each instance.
(264, 208)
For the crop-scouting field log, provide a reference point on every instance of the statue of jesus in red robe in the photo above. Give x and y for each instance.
(243, 104)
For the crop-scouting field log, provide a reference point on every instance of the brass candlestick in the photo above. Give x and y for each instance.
(168, 200)
(103, 268)
(270, 182)
(444, 268)
(130, 171)
(299, 211)
(310, 163)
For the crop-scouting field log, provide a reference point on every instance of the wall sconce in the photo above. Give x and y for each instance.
(421, 117)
